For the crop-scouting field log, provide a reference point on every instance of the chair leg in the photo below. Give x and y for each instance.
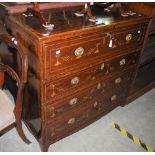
(18, 113)
(20, 131)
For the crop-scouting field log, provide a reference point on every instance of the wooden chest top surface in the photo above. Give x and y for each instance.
(66, 21)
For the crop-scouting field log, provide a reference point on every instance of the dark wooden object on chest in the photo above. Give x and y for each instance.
(80, 70)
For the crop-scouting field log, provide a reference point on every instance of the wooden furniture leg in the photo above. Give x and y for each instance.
(44, 147)
(1, 79)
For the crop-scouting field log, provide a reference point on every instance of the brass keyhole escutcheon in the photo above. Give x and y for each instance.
(75, 81)
(73, 101)
(118, 80)
(128, 37)
(122, 62)
(79, 51)
(71, 121)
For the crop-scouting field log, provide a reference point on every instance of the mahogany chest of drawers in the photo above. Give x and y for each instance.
(79, 71)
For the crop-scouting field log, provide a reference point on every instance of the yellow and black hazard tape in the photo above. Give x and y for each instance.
(133, 138)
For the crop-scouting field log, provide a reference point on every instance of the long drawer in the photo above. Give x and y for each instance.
(74, 82)
(60, 57)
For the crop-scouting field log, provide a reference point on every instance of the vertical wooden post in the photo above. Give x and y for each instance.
(1, 79)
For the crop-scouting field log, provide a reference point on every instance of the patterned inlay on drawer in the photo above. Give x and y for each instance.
(128, 37)
(67, 123)
(101, 89)
(76, 81)
(73, 119)
(123, 62)
(75, 53)
(88, 77)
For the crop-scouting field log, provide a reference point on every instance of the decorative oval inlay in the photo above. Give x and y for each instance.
(71, 121)
(122, 62)
(75, 80)
(128, 37)
(113, 98)
(79, 51)
(73, 101)
(118, 80)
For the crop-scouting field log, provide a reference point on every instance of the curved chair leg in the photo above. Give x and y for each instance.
(18, 113)
(20, 130)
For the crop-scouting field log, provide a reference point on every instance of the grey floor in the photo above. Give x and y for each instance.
(138, 118)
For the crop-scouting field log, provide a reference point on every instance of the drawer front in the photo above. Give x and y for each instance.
(100, 89)
(127, 37)
(118, 64)
(87, 78)
(77, 81)
(73, 54)
(82, 115)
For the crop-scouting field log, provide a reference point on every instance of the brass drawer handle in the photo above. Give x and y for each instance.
(128, 37)
(75, 80)
(113, 98)
(73, 101)
(102, 66)
(118, 80)
(122, 62)
(71, 121)
(79, 51)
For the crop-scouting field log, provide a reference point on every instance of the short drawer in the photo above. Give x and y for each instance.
(87, 78)
(123, 62)
(101, 89)
(127, 37)
(71, 54)
(73, 83)
(74, 54)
